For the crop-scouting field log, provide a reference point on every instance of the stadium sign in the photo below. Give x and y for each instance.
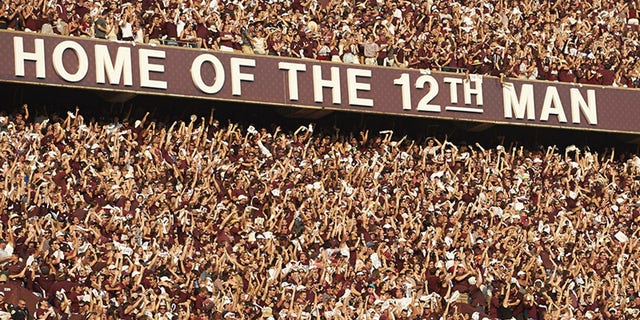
(120, 66)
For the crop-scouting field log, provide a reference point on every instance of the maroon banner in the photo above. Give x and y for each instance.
(114, 66)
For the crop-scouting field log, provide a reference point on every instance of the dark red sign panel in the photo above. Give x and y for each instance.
(102, 65)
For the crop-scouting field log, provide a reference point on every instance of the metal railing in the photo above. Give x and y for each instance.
(178, 43)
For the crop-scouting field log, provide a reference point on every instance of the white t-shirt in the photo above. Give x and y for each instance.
(180, 25)
(6, 252)
(127, 30)
(375, 260)
(397, 13)
(58, 254)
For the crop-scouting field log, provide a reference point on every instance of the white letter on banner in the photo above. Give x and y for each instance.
(237, 76)
(588, 108)
(552, 105)
(454, 82)
(146, 68)
(518, 106)
(333, 83)
(353, 86)
(477, 80)
(58, 64)
(292, 75)
(105, 68)
(196, 75)
(20, 57)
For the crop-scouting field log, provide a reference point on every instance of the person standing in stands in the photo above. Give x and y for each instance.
(371, 49)
(6, 249)
(100, 26)
(20, 311)
(5, 310)
(126, 24)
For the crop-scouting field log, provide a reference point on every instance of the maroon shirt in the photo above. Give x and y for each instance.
(171, 30)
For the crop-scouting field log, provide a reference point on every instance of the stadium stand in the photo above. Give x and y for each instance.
(199, 220)
(568, 41)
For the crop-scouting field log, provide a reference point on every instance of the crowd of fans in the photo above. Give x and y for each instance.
(592, 42)
(199, 220)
